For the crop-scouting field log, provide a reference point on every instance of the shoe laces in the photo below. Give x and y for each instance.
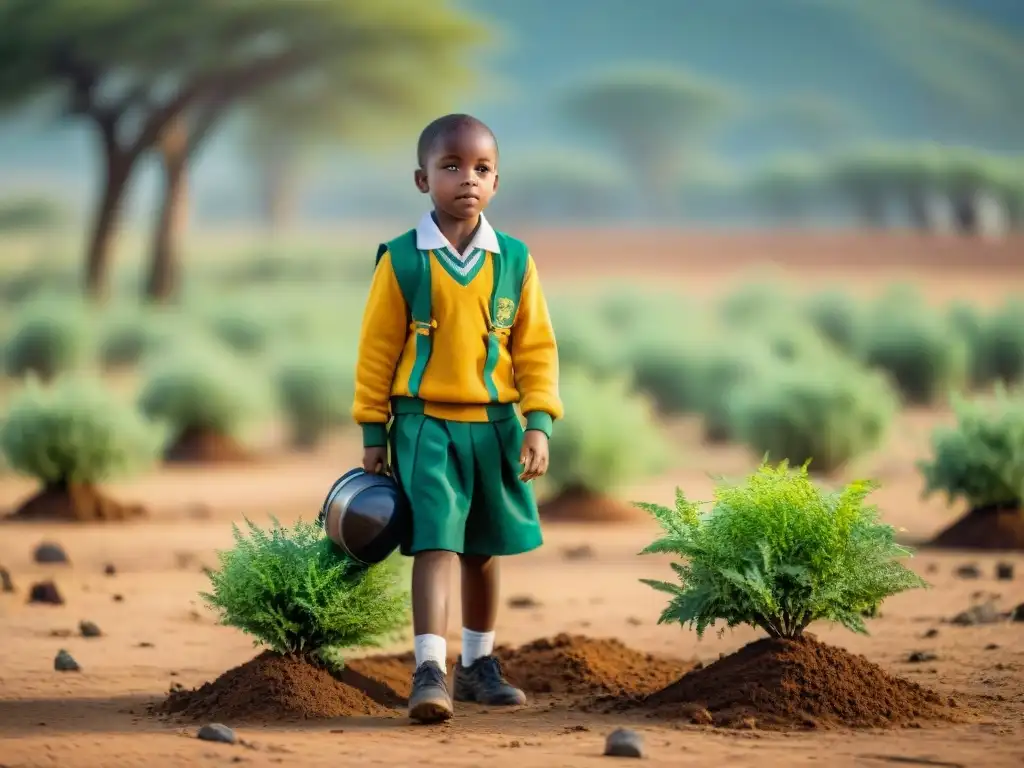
(428, 673)
(490, 670)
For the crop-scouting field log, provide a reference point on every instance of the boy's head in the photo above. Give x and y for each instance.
(458, 165)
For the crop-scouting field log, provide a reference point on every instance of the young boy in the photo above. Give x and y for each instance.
(456, 330)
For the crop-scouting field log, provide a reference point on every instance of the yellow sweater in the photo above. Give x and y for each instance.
(453, 385)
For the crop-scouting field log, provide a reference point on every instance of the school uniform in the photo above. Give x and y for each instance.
(450, 342)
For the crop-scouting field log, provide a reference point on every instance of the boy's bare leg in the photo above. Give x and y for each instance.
(478, 675)
(431, 580)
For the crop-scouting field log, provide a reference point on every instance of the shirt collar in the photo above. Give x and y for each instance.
(429, 237)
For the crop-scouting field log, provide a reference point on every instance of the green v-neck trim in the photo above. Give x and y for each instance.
(461, 272)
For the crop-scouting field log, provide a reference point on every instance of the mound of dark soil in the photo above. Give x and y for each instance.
(796, 683)
(78, 503)
(576, 505)
(578, 665)
(991, 528)
(203, 446)
(272, 688)
(45, 592)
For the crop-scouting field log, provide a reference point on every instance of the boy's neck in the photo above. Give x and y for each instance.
(458, 232)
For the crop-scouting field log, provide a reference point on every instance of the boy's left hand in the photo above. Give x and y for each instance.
(534, 455)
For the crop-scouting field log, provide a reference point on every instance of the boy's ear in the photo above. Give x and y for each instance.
(419, 176)
(496, 177)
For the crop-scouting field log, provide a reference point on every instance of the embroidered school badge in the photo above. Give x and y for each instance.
(505, 309)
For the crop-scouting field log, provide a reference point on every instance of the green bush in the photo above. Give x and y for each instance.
(916, 348)
(837, 316)
(30, 214)
(75, 431)
(778, 552)
(315, 390)
(584, 340)
(827, 414)
(981, 458)
(727, 365)
(245, 332)
(128, 338)
(1003, 342)
(753, 302)
(206, 390)
(967, 324)
(608, 435)
(46, 341)
(293, 591)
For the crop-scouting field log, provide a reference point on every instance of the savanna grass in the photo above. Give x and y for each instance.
(295, 593)
(778, 552)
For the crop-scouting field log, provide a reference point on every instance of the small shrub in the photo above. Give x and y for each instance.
(754, 302)
(826, 414)
(315, 391)
(30, 214)
(968, 325)
(608, 435)
(778, 552)
(837, 316)
(584, 340)
(981, 458)
(201, 390)
(128, 339)
(294, 592)
(727, 365)
(1003, 342)
(47, 341)
(75, 432)
(246, 333)
(915, 347)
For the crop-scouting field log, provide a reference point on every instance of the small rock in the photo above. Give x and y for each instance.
(1017, 614)
(523, 601)
(64, 663)
(118, 598)
(45, 592)
(1004, 571)
(145, 644)
(623, 742)
(184, 560)
(109, 569)
(48, 552)
(984, 613)
(968, 572)
(991, 647)
(932, 568)
(697, 715)
(634, 621)
(60, 633)
(6, 585)
(747, 724)
(920, 656)
(582, 552)
(216, 732)
(89, 629)
(933, 632)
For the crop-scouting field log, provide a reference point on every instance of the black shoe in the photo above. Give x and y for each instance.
(484, 683)
(430, 701)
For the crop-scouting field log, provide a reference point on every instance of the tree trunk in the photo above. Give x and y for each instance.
(164, 266)
(105, 221)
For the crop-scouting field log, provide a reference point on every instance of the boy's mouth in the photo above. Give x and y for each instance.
(468, 196)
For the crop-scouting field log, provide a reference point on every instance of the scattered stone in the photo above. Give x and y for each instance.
(624, 742)
(991, 647)
(60, 633)
(1004, 571)
(983, 613)
(64, 663)
(968, 572)
(45, 592)
(109, 569)
(89, 629)
(1017, 614)
(216, 732)
(6, 585)
(523, 601)
(582, 552)
(634, 621)
(118, 598)
(918, 657)
(48, 552)
(933, 632)
(697, 714)
(145, 644)
(932, 568)
(184, 560)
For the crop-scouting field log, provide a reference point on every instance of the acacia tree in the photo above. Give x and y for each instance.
(160, 75)
(652, 118)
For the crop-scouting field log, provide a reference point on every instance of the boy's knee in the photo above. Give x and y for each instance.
(476, 562)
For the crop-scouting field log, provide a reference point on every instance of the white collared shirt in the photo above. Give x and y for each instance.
(429, 238)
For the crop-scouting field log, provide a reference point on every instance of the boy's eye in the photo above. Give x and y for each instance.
(483, 169)
(451, 167)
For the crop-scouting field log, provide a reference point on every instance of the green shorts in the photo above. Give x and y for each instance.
(462, 481)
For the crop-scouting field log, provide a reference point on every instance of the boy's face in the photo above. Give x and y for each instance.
(461, 172)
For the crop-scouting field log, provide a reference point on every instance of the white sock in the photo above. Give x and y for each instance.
(431, 648)
(476, 645)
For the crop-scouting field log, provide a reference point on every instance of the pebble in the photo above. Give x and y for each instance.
(985, 613)
(63, 662)
(1017, 614)
(48, 552)
(523, 601)
(968, 572)
(89, 629)
(933, 632)
(1004, 571)
(6, 585)
(920, 656)
(45, 592)
(624, 742)
(991, 647)
(118, 598)
(216, 732)
(110, 569)
(582, 552)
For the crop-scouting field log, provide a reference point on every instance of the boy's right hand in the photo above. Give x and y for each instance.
(375, 460)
